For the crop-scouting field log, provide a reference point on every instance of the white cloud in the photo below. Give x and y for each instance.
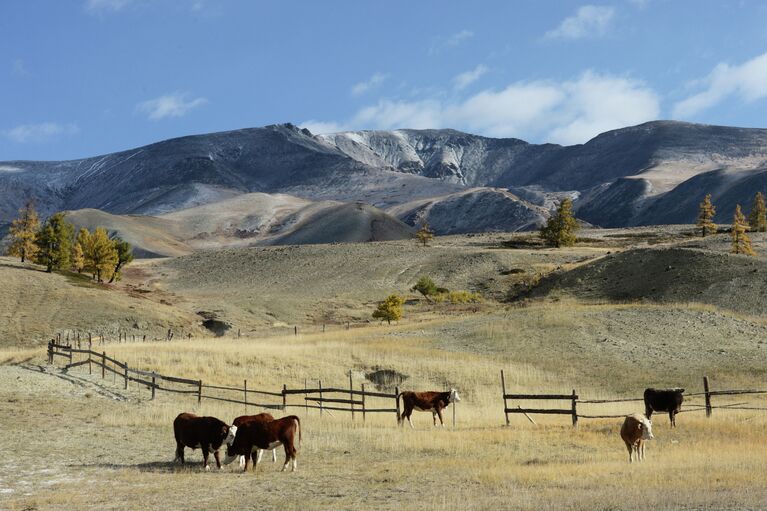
(567, 112)
(362, 87)
(450, 41)
(748, 81)
(319, 127)
(96, 6)
(465, 79)
(176, 104)
(588, 21)
(39, 132)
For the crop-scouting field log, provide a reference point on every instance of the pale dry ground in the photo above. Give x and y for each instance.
(112, 449)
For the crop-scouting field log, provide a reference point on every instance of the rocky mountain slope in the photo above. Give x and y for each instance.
(653, 173)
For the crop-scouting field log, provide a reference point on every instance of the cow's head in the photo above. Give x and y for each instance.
(229, 440)
(454, 397)
(645, 425)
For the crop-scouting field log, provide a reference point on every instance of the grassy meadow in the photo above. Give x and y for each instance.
(113, 448)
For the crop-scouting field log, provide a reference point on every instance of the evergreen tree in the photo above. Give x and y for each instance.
(560, 229)
(54, 243)
(757, 218)
(23, 232)
(124, 257)
(424, 234)
(390, 309)
(100, 255)
(78, 250)
(741, 243)
(706, 212)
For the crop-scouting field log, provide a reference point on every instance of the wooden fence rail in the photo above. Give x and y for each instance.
(357, 400)
(574, 399)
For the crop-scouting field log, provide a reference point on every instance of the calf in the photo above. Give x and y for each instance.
(663, 400)
(239, 421)
(433, 402)
(254, 436)
(635, 430)
(207, 433)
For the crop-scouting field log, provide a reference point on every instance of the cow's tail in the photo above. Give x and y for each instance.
(298, 426)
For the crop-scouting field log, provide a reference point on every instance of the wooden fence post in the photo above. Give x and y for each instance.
(351, 393)
(245, 387)
(396, 401)
(295, 330)
(199, 391)
(50, 352)
(90, 369)
(708, 396)
(363, 402)
(284, 396)
(319, 385)
(306, 403)
(154, 384)
(103, 364)
(575, 412)
(505, 406)
(70, 355)
(126, 375)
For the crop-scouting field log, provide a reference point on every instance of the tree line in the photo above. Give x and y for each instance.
(55, 245)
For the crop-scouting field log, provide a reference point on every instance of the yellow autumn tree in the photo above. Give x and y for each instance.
(741, 243)
(757, 218)
(390, 309)
(560, 229)
(100, 255)
(424, 234)
(706, 212)
(23, 233)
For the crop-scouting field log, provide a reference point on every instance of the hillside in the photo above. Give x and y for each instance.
(692, 272)
(35, 304)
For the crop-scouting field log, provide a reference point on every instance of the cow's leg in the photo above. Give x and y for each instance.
(259, 455)
(242, 460)
(205, 458)
(274, 455)
(434, 417)
(631, 450)
(287, 457)
(218, 459)
(439, 414)
(179, 452)
(641, 447)
(671, 414)
(648, 411)
(256, 458)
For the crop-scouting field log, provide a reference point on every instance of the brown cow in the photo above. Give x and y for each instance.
(207, 433)
(255, 435)
(635, 431)
(433, 402)
(242, 419)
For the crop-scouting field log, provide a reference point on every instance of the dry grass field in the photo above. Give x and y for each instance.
(96, 445)
(73, 440)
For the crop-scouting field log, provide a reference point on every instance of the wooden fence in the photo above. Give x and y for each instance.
(574, 399)
(324, 399)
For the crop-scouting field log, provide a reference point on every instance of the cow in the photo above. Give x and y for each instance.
(242, 419)
(255, 436)
(433, 402)
(207, 433)
(663, 400)
(635, 431)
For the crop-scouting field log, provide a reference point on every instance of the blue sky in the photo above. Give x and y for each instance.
(86, 77)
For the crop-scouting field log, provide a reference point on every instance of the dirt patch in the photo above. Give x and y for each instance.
(386, 379)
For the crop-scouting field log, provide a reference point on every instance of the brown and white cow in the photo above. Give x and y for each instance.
(239, 421)
(253, 437)
(433, 402)
(206, 433)
(635, 431)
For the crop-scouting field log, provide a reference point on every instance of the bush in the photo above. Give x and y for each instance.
(455, 297)
(425, 286)
(390, 309)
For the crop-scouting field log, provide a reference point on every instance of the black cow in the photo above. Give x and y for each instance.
(663, 400)
(207, 433)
